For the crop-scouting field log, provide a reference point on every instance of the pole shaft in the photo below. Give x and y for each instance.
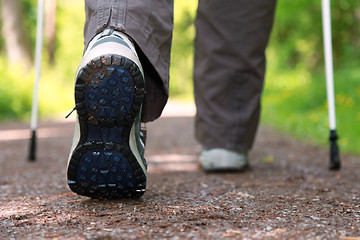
(327, 38)
(329, 71)
(38, 51)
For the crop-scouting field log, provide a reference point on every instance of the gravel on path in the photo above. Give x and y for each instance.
(288, 193)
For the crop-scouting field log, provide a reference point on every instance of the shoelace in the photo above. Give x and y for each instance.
(71, 112)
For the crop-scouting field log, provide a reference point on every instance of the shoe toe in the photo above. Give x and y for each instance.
(218, 159)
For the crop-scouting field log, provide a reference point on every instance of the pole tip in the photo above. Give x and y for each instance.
(335, 163)
(32, 150)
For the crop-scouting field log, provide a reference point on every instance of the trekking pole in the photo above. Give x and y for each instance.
(38, 51)
(326, 19)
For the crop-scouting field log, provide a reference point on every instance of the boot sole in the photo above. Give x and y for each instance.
(109, 93)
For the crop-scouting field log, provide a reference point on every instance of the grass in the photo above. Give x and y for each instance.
(294, 101)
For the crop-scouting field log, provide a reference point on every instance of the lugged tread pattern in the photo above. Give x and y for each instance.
(109, 93)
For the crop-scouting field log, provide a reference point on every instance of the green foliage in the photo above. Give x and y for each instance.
(294, 99)
(182, 51)
(56, 83)
(297, 34)
(15, 97)
(29, 19)
(28, 8)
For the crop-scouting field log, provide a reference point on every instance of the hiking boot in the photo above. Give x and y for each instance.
(223, 160)
(107, 154)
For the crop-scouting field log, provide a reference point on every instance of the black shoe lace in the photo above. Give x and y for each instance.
(70, 112)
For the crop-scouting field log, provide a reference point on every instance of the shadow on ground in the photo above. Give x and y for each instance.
(287, 194)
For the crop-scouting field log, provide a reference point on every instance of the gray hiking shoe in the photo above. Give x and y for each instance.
(107, 154)
(223, 160)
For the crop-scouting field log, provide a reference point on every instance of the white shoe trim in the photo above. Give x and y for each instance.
(76, 138)
(110, 48)
(134, 148)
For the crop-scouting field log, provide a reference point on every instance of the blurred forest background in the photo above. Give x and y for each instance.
(294, 97)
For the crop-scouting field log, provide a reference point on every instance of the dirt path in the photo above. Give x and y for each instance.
(287, 194)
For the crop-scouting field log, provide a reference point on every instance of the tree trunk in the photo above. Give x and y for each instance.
(50, 28)
(16, 41)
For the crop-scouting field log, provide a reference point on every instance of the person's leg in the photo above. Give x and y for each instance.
(124, 49)
(231, 37)
(149, 23)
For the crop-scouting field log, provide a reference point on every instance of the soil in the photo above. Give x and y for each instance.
(288, 193)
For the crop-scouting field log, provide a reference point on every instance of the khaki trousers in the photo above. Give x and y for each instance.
(231, 37)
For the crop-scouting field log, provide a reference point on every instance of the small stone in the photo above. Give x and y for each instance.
(314, 218)
(268, 228)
